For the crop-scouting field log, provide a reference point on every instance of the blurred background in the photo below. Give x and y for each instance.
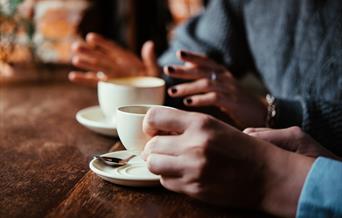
(38, 33)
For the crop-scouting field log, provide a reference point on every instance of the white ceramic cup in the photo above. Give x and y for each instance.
(130, 126)
(127, 91)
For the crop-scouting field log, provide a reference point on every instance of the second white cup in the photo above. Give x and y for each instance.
(127, 91)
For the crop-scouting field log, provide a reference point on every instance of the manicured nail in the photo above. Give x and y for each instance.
(188, 100)
(183, 54)
(170, 69)
(173, 90)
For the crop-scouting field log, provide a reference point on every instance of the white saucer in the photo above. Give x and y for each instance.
(135, 173)
(93, 119)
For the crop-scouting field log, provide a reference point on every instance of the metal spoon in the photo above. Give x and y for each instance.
(112, 161)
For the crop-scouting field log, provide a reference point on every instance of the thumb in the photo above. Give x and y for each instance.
(162, 119)
(149, 58)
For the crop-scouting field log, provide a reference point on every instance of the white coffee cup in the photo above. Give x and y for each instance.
(130, 126)
(129, 90)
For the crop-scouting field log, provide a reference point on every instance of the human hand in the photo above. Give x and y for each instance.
(214, 162)
(292, 139)
(97, 54)
(213, 85)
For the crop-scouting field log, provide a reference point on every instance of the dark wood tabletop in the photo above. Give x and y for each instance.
(44, 160)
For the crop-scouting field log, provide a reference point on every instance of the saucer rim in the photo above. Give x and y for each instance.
(131, 183)
(84, 121)
(118, 177)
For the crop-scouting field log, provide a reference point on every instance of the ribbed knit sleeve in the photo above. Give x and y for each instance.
(320, 118)
(217, 32)
(323, 120)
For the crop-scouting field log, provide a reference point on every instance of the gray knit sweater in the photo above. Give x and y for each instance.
(294, 45)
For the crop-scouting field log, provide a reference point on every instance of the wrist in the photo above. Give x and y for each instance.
(284, 177)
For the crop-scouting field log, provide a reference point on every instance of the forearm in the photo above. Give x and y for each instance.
(284, 177)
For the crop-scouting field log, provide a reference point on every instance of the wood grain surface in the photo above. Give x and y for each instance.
(44, 160)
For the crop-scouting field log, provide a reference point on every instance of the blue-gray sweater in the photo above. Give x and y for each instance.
(294, 45)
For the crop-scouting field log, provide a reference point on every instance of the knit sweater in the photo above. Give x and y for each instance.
(294, 46)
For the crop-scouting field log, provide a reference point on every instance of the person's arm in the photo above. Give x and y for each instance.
(321, 195)
(214, 162)
(319, 118)
(218, 33)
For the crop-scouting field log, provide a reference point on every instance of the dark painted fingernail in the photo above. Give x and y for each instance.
(188, 100)
(171, 69)
(173, 90)
(183, 54)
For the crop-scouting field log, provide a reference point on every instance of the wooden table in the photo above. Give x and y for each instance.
(44, 162)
